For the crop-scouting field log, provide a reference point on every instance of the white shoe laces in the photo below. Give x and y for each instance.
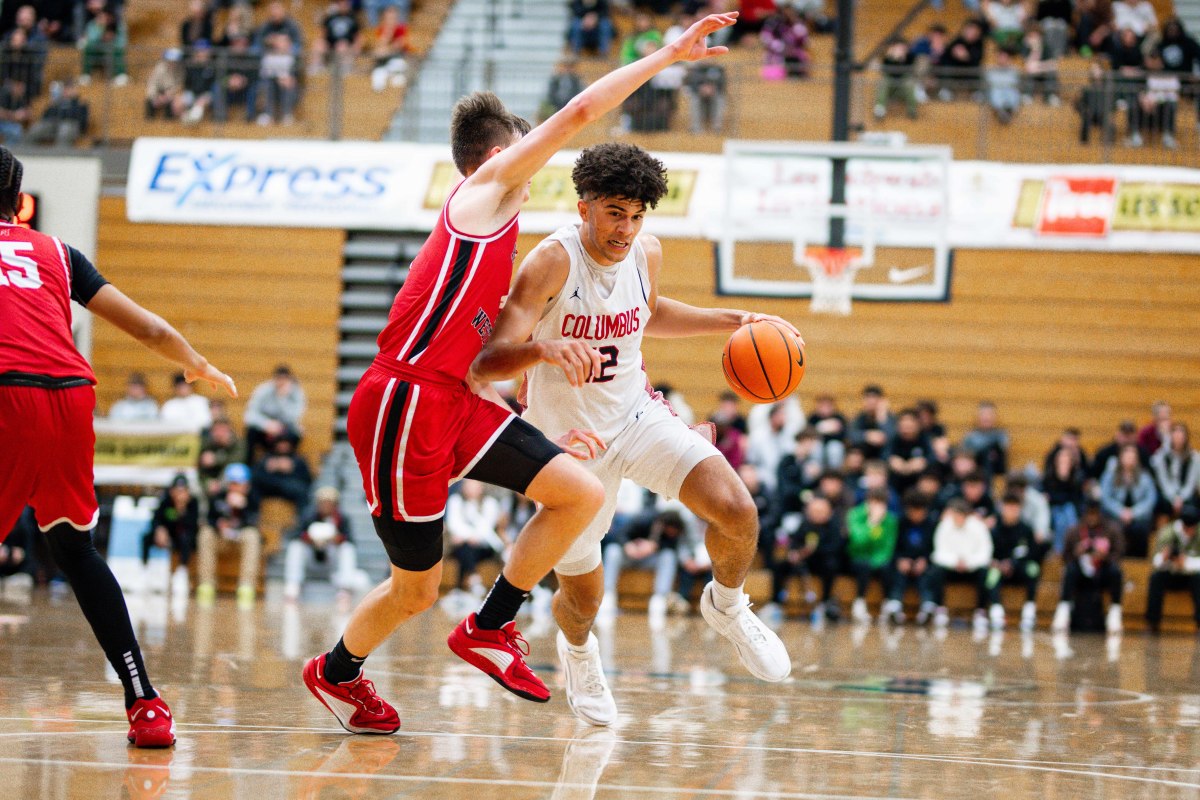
(751, 625)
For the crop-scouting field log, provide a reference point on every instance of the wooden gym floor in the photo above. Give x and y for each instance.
(868, 713)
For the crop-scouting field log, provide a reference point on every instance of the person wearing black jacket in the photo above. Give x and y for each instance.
(815, 548)
(63, 121)
(175, 524)
(1016, 559)
(914, 545)
(960, 64)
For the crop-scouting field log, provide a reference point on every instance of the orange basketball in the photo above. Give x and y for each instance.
(763, 362)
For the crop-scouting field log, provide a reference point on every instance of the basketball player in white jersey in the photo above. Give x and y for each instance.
(597, 282)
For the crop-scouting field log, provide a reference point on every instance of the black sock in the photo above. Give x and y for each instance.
(500, 606)
(341, 665)
(99, 596)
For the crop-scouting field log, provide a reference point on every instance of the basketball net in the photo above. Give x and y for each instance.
(832, 270)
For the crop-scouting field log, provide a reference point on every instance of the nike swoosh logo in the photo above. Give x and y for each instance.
(498, 657)
(135, 716)
(470, 630)
(897, 275)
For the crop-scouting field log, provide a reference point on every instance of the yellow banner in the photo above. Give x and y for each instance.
(176, 450)
(1145, 207)
(552, 190)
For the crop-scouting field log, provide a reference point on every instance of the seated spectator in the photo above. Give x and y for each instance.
(137, 405)
(1176, 468)
(962, 466)
(1041, 69)
(727, 407)
(695, 569)
(104, 41)
(834, 487)
(875, 476)
(283, 473)
(929, 483)
(1069, 440)
(652, 107)
(278, 85)
(908, 451)
(388, 52)
(643, 40)
(961, 63)
(565, 83)
(232, 524)
(830, 423)
(1157, 105)
(164, 90)
(199, 82)
(631, 504)
(237, 79)
(591, 27)
(59, 20)
(976, 490)
(1151, 436)
(705, 84)
(1016, 559)
(872, 428)
(962, 553)
(798, 472)
(928, 51)
(175, 526)
(1094, 31)
(1035, 508)
(1095, 105)
(275, 409)
(197, 26)
(1138, 16)
(1006, 19)
(1092, 565)
(1176, 565)
(1129, 79)
(473, 529)
(322, 533)
(378, 9)
(988, 441)
(341, 39)
(764, 504)
(1063, 485)
(649, 542)
(730, 441)
(772, 435)
(32, 50)
(186, 407)
(785, 38)
(1180, 53)
(814, 548)
(1053, 19)
(870, 545)
(15, 112)
(897, 79)
(1128, 496)
(277, 24)
(64, 120)
(914, 546)
(219, 447)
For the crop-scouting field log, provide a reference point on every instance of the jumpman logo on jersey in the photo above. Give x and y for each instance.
(575, 295)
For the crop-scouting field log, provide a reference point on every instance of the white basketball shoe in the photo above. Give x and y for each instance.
(588, 694)
(758, 648)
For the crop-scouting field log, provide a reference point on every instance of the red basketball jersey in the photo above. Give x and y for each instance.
(447, 308)
(35, 306)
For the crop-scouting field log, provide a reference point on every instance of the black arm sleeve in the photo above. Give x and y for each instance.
(85, 279)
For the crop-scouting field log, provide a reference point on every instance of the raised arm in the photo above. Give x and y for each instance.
(492, 191)
(509, 353)
(158, 335)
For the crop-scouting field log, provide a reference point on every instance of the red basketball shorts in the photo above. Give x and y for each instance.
(47, 446)
(413, 432)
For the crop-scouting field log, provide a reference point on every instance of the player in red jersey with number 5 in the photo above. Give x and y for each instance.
(416, 425)
(46, 438)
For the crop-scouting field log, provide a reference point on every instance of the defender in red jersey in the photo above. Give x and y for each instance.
(416, 424)
(46, 436)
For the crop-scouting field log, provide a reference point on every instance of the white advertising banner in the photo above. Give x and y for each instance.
(401, 186)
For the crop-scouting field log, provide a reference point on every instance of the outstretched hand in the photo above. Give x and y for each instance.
(213, 377)
(751, 316)
(691, 45)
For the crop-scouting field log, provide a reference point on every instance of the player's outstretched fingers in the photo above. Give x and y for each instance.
(575, 437)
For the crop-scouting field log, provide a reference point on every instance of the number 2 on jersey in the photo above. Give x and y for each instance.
(610, 353)
(25, 275)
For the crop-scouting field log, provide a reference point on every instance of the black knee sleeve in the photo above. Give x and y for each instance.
(411, 546)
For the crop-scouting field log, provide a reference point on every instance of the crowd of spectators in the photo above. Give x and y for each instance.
(1009, 56)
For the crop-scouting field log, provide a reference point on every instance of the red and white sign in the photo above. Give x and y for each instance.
(1077, 206)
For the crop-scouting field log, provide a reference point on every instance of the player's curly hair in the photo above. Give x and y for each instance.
(619, 170)
(11, 172)
(478, 123)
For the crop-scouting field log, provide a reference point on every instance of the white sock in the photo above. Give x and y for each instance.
(725, 598)
(580, 649)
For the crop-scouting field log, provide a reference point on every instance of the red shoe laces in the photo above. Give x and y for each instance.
(364, 692)
(517, 642)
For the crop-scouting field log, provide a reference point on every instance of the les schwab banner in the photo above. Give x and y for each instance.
(402, 186)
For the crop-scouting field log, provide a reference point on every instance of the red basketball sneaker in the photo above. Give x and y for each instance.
(354, 703)
(151, 724)
(501, 656)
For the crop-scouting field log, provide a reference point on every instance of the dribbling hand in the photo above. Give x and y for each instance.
(751, 316)
(691, 45)
(575, 438)
(213, 377)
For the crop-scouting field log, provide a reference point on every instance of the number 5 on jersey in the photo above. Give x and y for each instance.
(610, 353)
(25, 272)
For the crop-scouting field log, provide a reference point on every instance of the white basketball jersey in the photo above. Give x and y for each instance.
(606, 308)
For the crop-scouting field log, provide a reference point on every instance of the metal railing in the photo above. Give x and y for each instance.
(1073, 119)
